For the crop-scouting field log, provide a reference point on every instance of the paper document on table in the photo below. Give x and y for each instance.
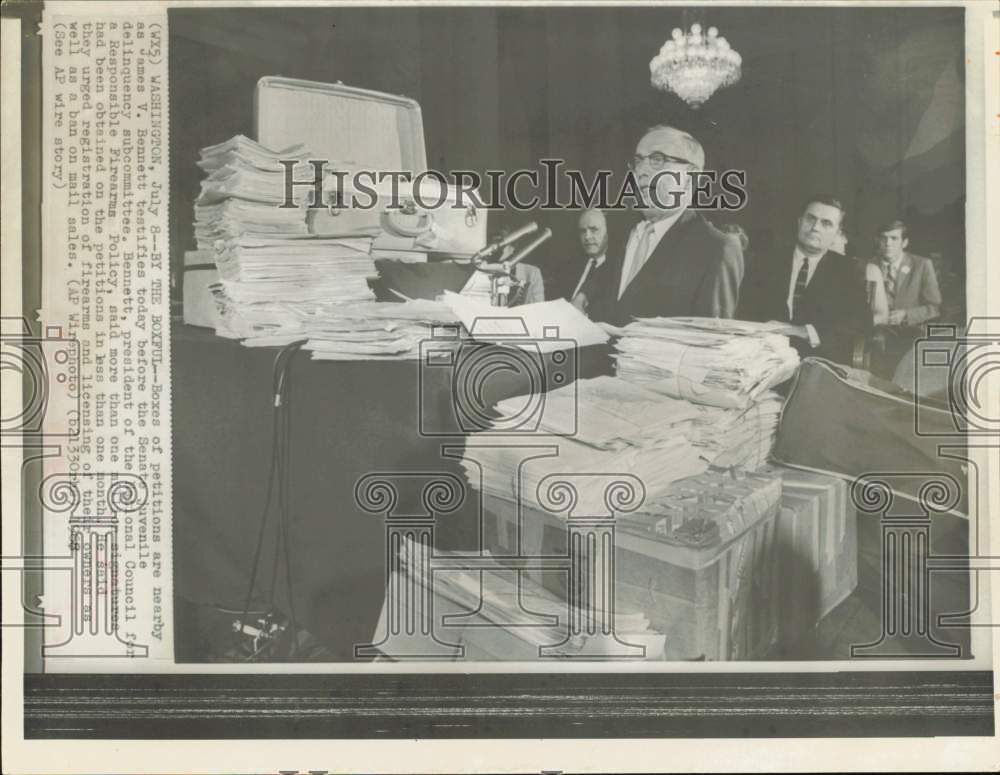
(545, 326)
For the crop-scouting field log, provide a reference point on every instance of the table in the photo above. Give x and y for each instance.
(349, 419)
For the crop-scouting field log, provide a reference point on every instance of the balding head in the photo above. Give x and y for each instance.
(671, 141)
(593, 230)
(664, 155)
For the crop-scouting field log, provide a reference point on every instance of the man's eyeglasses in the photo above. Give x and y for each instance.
(657, 161)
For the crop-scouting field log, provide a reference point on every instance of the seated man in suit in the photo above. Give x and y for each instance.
(911, 297)
(593, 232)
(911, 286)
(818, 292)
(674, 263)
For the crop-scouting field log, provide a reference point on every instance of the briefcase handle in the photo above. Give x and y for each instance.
(403, 224)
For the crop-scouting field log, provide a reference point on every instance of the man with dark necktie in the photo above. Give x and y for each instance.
(674, 263)
(911, 286)
(912, 296)
(818, 293)
(593, 232)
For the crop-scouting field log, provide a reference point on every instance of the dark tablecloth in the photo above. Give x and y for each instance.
(349, 419)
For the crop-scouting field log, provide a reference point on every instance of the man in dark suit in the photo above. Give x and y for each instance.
(672, 263)
(592, 229)
(816, 291)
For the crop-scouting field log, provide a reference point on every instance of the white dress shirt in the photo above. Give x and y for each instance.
(633, 263)
(797, 258)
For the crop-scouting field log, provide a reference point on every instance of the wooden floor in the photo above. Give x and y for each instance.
(858, 620)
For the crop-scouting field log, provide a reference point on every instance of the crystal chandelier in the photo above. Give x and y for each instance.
(695, 66)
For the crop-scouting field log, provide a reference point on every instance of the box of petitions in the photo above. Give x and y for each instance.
(818, 532)
(699, 563)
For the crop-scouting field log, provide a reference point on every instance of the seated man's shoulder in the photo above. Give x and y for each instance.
(847, 266)
(920, 261)
(873, 270)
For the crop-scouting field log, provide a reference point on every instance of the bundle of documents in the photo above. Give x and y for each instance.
(608, 425)
(244, 191)
(295, 269)
(242, 151)
(619, 429)
(374, 330)
(234, 217)
(609, 413)
(726, 363)
(740, 438)
(497, 597)
(710, 508)
(362, 331)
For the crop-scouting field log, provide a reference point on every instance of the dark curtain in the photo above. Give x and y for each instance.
(866, 103)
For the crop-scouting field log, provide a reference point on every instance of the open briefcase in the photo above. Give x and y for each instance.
(358, 130)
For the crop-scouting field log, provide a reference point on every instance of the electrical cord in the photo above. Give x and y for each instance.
(279, 478)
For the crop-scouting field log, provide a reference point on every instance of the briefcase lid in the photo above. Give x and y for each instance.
(351, 128)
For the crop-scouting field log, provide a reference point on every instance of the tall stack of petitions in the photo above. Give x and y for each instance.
(726, 363)
(272, 274)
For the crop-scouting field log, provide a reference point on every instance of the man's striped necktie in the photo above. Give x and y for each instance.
(890, 283)
(801, 281)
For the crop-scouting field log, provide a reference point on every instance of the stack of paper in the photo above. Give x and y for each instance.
(496, 596)
(374, 330)
(725, 363)
(607, 425)
(620, 428)
(295, 269)
(240, 150)
(608, 413)
(741, 438)
(234, 217)
(709, 508)
(244, 191)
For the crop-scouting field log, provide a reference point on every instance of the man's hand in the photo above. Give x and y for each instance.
(897, 317)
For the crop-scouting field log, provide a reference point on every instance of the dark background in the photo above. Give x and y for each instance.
(865, 103)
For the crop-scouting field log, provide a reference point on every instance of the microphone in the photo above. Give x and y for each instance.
(501, 243)
(530, 247)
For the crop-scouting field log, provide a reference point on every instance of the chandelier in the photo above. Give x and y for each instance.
(694, 66)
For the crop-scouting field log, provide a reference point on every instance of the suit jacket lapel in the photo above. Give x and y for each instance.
(781, 267)
(903, 275)
(660, 255)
